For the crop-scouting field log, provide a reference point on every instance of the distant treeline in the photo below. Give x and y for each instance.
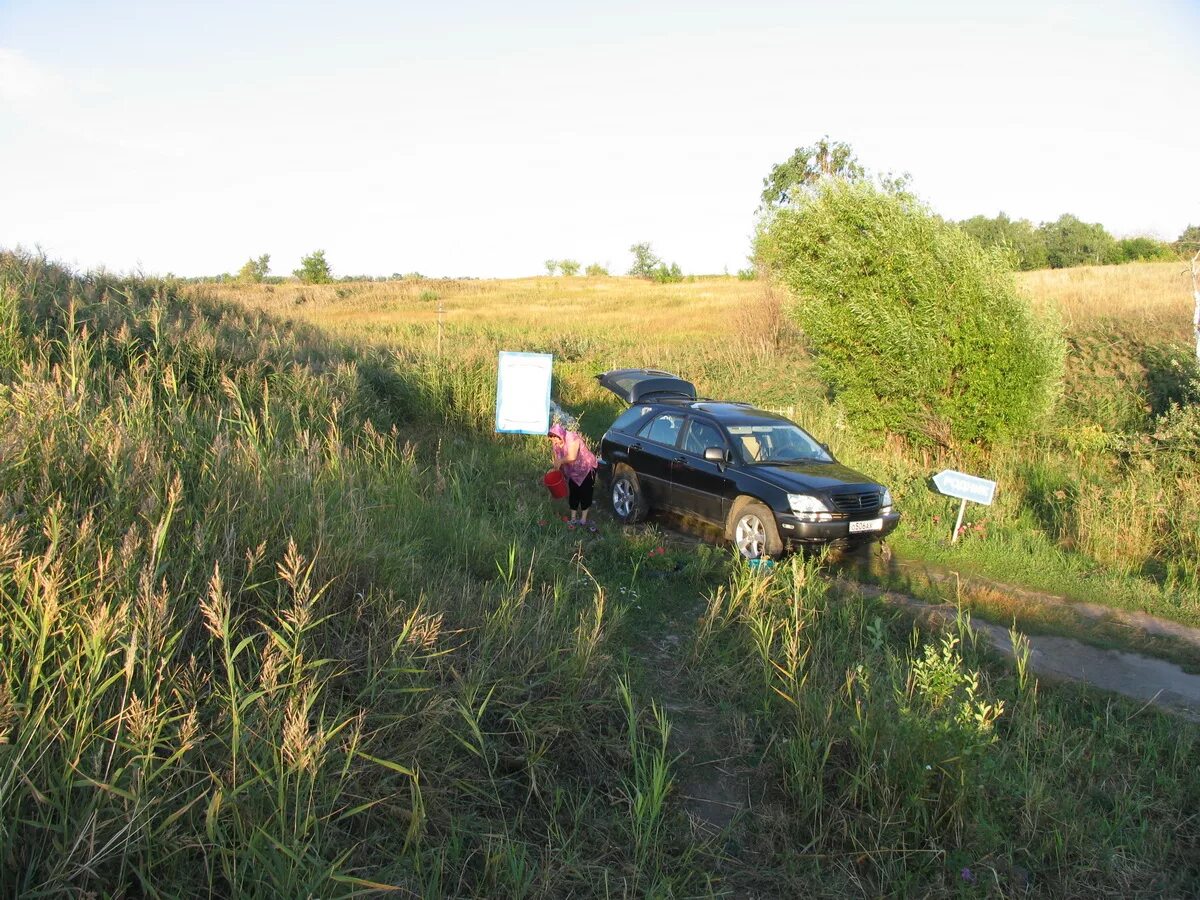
(293, 279)
(1069, 241)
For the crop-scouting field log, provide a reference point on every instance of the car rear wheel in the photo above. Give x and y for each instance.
(753, 530)
(627, 501)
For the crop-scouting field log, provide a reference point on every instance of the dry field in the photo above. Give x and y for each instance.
(630, 308)
(1154, 297)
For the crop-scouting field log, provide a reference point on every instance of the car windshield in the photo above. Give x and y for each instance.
(777, 442)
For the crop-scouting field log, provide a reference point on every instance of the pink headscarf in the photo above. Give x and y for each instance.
(558, 431)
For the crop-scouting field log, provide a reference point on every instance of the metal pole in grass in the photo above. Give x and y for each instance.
(962, 508)
(441, 311)
(1196, 297)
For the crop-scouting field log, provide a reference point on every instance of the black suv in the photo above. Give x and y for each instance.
(762, 478)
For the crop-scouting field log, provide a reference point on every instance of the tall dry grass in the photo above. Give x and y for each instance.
(1156, 298)
(627, 309)
(259, 637)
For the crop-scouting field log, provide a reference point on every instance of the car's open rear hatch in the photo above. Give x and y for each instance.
(637, 385)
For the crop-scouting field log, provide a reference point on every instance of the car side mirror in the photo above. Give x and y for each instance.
(715, 454)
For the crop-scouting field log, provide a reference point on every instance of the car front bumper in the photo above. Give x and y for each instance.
(798, 531)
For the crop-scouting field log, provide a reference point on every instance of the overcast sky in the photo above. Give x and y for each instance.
(483, 138)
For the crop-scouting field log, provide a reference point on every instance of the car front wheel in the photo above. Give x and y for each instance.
(753, 530)
(627, 501)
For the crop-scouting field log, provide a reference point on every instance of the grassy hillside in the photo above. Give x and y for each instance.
(1101, 504)
(280, 616)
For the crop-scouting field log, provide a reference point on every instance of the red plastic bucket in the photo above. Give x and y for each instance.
(556, 484)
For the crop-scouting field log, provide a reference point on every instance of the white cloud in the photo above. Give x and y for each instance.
(25, 85)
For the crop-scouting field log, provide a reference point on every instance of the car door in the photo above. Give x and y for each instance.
(651, 455)
(700, 486)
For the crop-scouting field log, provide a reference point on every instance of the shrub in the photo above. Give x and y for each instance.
(595, 269)
(255, 269)
(916, 329)
(665, 274)
(644, 261)
(314, 269)
(1143, 249)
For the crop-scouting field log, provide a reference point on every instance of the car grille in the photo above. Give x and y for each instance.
(865, 502)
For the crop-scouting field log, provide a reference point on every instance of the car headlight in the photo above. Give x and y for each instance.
(808, 507)
(886, 502)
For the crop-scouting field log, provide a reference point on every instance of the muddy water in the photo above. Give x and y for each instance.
(1139, 677)
(1132, 675)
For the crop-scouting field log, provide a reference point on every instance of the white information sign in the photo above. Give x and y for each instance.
(523, 392)
(965, 487)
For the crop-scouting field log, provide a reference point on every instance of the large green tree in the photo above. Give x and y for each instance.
(808, 166)
(1073, 242)
(915, 328)
(1188, 241)
(1025, 244)
(255, 269)
(314, 269)
(645, 263)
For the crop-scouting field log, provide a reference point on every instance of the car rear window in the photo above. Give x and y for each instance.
(628, 420)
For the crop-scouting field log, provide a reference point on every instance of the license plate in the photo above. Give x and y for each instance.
(866, 525)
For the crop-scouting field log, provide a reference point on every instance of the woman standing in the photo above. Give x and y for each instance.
(578, 464)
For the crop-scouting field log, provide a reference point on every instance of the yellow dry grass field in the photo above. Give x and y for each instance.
(1156, 297)
(729, 335)
(681, 312)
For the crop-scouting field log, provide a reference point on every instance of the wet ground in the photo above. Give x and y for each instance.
(1132, 675)
(870, 564)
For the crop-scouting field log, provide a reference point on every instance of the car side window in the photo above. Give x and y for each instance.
(664, 429)
(702, 435)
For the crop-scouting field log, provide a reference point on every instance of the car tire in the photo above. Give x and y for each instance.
(752, 530)
(628, 501)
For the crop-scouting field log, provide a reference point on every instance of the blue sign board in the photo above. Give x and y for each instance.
(965, 487)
